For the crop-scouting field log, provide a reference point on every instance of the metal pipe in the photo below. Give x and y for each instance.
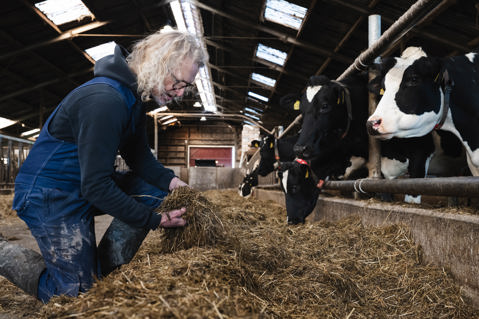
(374, 162)
(441, 186)
(392, 34)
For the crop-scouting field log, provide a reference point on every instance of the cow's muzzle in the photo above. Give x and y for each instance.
(372, 126)
(303, 151)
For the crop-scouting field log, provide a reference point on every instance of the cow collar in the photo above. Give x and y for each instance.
(448, 85)
(319, 182)
(348, 107)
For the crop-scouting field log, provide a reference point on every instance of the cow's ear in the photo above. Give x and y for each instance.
(375, 85)
(255, 143)
(290, 101)
(435, 65)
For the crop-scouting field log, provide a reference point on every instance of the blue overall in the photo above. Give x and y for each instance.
(48, 198)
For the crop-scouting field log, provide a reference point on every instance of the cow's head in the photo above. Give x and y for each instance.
(411, 100)
(300, 190)
(325, 118)
(250, 181)
(267, 153)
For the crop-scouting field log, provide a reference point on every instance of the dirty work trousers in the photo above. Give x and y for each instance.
(63, 225)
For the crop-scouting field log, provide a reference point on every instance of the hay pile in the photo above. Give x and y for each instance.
(204, 225)
(262, 268)
(6, 210)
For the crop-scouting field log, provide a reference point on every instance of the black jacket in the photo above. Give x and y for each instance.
(96, 118)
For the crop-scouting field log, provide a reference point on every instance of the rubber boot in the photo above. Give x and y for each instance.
(21, 266)
(119, 245)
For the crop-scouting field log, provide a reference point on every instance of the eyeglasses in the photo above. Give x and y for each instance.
(180, 84)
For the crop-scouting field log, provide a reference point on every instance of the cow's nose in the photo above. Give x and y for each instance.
(302, 151)
(372, 126)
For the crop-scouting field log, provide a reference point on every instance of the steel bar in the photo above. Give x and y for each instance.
(440, 186)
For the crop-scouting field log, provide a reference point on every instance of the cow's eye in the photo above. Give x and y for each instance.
(324, 108)
(412, 81)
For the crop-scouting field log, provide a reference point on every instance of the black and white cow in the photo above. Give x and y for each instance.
(249, 181)
(270, 149)
(300, 193)
(334, 134)
(421, 93)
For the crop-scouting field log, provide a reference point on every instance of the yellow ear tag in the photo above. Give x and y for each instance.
(437, 76)
(337, 102)
(271, 145)
(381, 92)
(307, 174)
(296, 105)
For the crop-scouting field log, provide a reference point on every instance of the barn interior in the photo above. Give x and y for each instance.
(258, 51)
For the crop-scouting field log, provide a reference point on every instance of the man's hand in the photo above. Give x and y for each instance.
(173, 218)
(176, 182)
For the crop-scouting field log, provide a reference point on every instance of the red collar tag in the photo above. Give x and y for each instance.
(301, 161)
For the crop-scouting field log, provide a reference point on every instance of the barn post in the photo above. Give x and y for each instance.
(374, 164)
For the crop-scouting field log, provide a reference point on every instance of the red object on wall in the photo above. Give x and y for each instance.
(222, 155)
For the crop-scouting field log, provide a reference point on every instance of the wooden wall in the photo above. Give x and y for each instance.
(173, 142)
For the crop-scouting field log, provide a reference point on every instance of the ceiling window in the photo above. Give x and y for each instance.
(254, 111)
(254, 117)
(30, 132)
(245, 122)
(285, 13)
(258, 97)
(263, 79)
(101, 50)
(188, 18)
(4, 122)
(269, 54)
(64, 11)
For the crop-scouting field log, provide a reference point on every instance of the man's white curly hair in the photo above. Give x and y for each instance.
(160, 54)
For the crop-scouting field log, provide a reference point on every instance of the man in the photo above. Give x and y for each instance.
(69, 175)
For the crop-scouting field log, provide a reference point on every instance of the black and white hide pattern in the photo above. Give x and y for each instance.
(333, 133)
(415, 99)
(249, 181)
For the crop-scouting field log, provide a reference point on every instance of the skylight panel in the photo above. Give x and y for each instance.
(263, 79)
(254, 111)
(245, 122)
(30, 132)
(270, 54)
(258, 97)
(285, 13)
(254, 117)
(101, 50)
(188, 18)
(6, 122)
(63, 11)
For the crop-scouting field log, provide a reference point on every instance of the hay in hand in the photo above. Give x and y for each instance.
(204, 227)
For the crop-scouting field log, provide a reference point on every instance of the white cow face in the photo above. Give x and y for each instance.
(411, 96)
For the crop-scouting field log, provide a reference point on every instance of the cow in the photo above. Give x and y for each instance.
(271, 149)
(333, 131)
(422, 93)
(249, 181)
(300, 194)
(300, 189)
